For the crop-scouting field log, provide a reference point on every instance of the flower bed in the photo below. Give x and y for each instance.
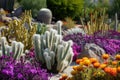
(92, 69)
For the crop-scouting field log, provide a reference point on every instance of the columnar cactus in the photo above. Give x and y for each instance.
(16, 48)
(51, 50)
(59, 26)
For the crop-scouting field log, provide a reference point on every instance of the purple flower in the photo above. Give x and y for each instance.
(19, 76)
(21, 70)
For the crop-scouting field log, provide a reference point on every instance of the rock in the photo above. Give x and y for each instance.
(5, 19)
(18, 12)
(44, 16)
(92, 50)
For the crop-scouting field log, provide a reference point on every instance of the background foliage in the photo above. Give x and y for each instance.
(34, 6)
(65, 8)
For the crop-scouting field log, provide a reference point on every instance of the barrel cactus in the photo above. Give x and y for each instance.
(16, 48)
(44, 16)
(52, 51)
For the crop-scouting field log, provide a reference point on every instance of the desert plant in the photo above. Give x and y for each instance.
(97, 22)
(74, 31)
(34, 6)
(67, 8)
(69, 23)
(44, 16)
(16, 49)
(52, 51)
(21, 30)
(41, 28)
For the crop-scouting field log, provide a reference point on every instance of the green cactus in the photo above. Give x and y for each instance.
(52, 51)
(41, 28)
(16, 48)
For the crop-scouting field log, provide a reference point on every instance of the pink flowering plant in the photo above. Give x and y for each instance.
(11, 69)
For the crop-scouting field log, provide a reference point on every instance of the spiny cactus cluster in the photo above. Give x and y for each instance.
(52, 51)
(74, 31)
(16, 48)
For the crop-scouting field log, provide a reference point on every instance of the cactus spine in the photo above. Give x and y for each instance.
(52, 51)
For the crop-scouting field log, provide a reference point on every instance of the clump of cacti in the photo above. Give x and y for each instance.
(15, 50)
(21, 30)
(45, 16)
(52, 51)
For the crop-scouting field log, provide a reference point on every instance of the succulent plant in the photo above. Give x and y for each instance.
(21, 30)
(44, 16)
(16, 48)
(74, 31)
(97, 22)
(41, 28)
(52, 51)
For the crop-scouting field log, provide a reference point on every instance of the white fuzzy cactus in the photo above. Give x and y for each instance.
(74, 31)
(17, 48)
(51, 50)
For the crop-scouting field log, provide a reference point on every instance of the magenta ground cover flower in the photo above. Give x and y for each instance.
(21, 70)
(109, 41)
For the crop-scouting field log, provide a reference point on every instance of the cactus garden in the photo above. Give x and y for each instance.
(59, 39)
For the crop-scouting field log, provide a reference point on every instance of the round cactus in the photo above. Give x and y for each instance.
(44, 16)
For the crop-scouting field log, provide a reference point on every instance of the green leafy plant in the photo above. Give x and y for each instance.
(115, 8)
(65, 8)
(34, 6)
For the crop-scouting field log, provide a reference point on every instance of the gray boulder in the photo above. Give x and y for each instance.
(18, 12)
(92, 50)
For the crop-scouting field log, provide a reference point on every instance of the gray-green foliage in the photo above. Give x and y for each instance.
(34, 6)
(16, 48)
(51, 50)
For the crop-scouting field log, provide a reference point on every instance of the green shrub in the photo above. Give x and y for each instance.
(65, 8)
(33, 5)
(115, 8)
